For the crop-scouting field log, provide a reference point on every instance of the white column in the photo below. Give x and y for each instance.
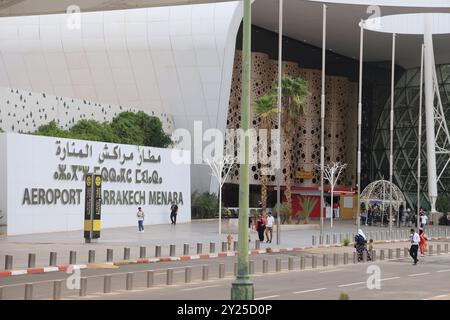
(358, 182)
(280, 74)
(391, 130)
(322, 116)
(429, 111)
(419, 145)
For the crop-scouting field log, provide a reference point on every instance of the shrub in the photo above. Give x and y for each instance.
(285, 212)
(344, 296)
(346, 242)
(127, 128)
(204, 205)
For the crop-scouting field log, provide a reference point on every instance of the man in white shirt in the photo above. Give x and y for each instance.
(415, 239)
(140, 216)
(423, 220)
(269, 227)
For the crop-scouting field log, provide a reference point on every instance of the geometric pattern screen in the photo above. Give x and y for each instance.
(406, 135)
(340, 120)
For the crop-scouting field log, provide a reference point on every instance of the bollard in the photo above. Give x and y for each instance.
(335, 259)
(446, 232)
(314, 262)
(278, 265)
(72, 257)
(187, 274)
(224, 246)
(107, 283)
(382, 254)
(325, 260)
(129, 282)
(257, 244)
(31, 260)
(212, 247)
(1, 293)
(341, 238)
(29, 291)
(291, 263)
(391, 254)
(8, 262)
(328, 239)
(348, 237)
(302, 263)
(205, 272)
(199, 248)
(91, 256)
(377, 235)
(169, 277)
(251, 267)
(235, 268)
(374, 255)
(430, 250)
(109, 255)
(157, 251)
(382, 235)
(172, 250)
(438, 249)
(126, 253)
(83, 287)
(346, 258)
(313, 241)
(405, 252)
(398, 253)
(150, 279)
(185, 249)
(355, 257)
(57, 289)
(52, 259)
(446, 247)
(222, 270)
(235, 245)
(364, 256)
(334, 238)
(265, 266)
(142, 252)
(321, 240)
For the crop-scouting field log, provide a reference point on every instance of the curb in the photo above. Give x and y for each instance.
(41, 270)
(252, 252)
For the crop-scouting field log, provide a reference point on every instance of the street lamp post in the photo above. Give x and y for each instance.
(242, 288)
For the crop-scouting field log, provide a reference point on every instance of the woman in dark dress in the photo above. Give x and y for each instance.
(260, 227)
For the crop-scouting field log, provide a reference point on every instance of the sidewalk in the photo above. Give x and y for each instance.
(119, 238)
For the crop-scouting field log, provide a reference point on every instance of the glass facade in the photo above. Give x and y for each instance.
(406, 135)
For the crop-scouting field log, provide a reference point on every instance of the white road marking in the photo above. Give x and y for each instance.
(438, 297)
(418, 274)
(393, 278)
(312, 290)
(198, 288)
(445, 270)
(268, 297)
(329, 271)
(351, 284)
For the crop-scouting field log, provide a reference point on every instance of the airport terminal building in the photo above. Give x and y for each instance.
(183, 64)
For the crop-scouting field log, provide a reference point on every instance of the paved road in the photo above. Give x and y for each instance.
(399, 280)
(322, 283)
(118, 238)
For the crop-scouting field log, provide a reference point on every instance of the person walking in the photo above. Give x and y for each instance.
(269, 227)
(422, 242)
(360, 244)
(415, 240)
(260, 226)
(140, 216)
(423, 220)
(173, 213)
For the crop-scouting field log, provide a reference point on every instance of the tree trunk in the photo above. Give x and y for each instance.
(264, 182)
(288, 139)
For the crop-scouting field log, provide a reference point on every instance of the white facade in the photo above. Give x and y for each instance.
(35, 197)
(173, 61)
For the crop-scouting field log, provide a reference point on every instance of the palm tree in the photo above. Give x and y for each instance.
(266, 111)
(294, 92)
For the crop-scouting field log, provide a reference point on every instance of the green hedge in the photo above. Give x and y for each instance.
(127, 128)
